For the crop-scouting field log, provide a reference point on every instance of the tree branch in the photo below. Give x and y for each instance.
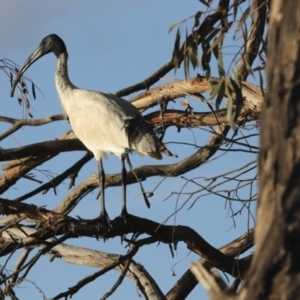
(53, 224)
(187, 282)
(17, 124)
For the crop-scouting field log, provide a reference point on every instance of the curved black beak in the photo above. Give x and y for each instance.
(38, 53)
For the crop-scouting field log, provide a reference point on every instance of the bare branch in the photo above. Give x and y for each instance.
(58, 179)
(252, 94)
(92, 258)
(74, 289)
(53, 224)
(211, 281)
(187, 282)
(17, 124)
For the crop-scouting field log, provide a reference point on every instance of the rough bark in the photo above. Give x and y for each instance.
(275, 271)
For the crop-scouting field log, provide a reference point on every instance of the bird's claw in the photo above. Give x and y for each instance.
(103, 218)
(124, 216)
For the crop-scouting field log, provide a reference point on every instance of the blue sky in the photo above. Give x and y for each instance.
(111, 45)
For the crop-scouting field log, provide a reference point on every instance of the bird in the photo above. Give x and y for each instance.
(103, 122)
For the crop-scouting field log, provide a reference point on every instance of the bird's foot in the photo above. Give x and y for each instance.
(124, 215)
(103, 218)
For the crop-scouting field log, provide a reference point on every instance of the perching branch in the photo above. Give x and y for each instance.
(54, 224)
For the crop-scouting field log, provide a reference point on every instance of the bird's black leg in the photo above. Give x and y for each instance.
(103, 214)
(124, 212)
(138, 180)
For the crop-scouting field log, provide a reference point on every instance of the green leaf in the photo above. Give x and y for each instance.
(205, 59)
(211, 34)
(220, 94)
(261, 83)
(176, 64)
(193, 55)
(33, 90)
(176, 51)
(221, 66)
(229, 117)
(235, 5)
(248, 68)
(186, 64)
(197, 19)
(215, 90)
(172, 26)
(185, 48)
(238, 96)
(242, 21)
(208, 73)
(217, 41)
(218, 54)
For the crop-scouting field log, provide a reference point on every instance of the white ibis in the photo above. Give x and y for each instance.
(103, 122)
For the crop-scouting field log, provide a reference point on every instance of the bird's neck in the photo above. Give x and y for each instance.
(61, 73)
(63, 84)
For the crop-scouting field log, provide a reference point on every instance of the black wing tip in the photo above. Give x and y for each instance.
(156, 155)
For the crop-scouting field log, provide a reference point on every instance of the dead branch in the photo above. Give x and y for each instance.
(53, 183)
(252, 94)
(211, 280)
(17, 124)
(187, 282)
(92, 258)
(183, 119)
(53, 224)
(74, 289)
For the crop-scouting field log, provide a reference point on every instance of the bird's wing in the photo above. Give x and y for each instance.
(99, 120)
(111, 105)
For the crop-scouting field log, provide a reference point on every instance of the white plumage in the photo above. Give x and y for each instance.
(103, 122)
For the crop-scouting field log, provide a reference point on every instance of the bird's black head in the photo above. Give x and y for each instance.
(51, 43)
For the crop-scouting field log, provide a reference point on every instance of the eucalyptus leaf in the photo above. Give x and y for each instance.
(261, 83)
(171, 27)
(215, 90)
(242, 21)
(237, 88)
(229, 116)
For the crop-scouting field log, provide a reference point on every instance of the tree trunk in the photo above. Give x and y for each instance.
(275, 270)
